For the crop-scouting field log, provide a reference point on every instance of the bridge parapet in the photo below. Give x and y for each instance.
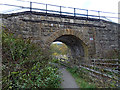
(100, 36)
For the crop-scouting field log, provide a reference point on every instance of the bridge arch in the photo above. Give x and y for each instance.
(77, 43)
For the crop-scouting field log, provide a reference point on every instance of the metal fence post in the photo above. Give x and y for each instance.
(46, 8)
(74, 12)
(99, 14)
(87, 13)
(30, 6)
(60, 10)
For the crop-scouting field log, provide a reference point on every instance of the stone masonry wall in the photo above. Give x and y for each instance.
(106, 40)
(98, 35)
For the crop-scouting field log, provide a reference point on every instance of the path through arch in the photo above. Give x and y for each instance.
(74, 41)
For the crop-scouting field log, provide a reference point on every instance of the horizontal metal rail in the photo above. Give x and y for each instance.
(70, 7)
(72, 11)
(101, 72)
(99, 67)
(98, 72)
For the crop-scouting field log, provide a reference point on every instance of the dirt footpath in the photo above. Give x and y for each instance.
(69, 81)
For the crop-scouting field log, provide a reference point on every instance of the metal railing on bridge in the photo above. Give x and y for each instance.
(62, 10)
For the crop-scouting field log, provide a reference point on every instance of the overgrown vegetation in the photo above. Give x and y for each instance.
(25, 65)
(82, 83)
(59, 49)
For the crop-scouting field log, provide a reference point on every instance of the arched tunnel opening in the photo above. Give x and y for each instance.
(60, 50)
(76, 47)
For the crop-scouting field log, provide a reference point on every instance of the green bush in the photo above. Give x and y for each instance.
(25, 65)
(55, 60)
(47, 77)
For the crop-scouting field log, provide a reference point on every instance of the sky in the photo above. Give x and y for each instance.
(100, 5)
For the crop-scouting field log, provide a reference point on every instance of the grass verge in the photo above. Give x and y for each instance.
(80, 81)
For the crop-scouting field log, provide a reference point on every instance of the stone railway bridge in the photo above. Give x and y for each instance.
(86, 37)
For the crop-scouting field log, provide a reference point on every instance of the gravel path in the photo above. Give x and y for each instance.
(69, 81)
